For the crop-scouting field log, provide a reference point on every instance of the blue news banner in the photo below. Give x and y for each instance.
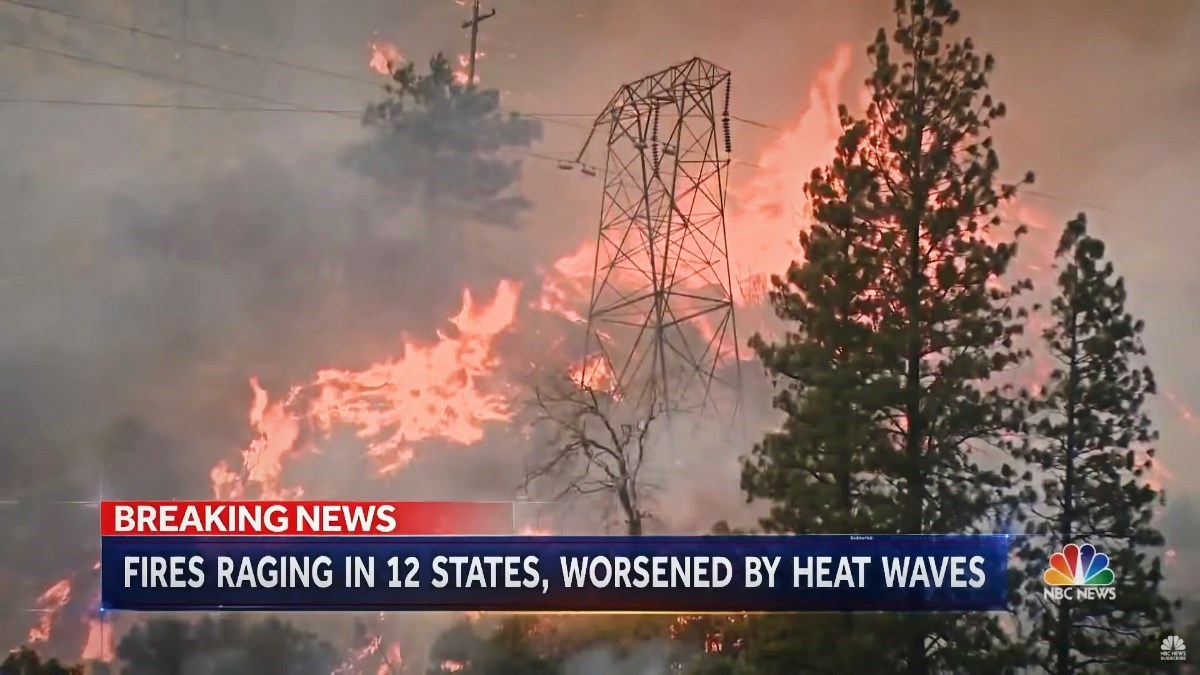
(551, 574)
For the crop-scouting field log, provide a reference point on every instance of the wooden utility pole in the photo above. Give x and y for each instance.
(473, 24)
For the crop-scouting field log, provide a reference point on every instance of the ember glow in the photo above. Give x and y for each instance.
(353, 663)
(463, 72)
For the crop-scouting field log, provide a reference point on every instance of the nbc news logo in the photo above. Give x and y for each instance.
(1173, 649)
(1079, 573)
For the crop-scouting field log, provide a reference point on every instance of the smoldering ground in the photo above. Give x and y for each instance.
(152, 260)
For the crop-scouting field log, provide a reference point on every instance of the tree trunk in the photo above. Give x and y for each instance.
(914, 507)
(633, 518)
(1063, 665)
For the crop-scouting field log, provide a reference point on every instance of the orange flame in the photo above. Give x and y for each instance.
(50, 604)
(351, 664)
(594, 373)
(772, 206)
(386, 57)
(567, 284)
(769, 210)
(431, 391)
(98, 645)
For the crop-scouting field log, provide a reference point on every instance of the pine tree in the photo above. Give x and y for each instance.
(903, 330)
(440, 142)
(449, 159)
(1091, 439)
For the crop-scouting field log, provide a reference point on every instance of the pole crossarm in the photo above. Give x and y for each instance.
(473, 24)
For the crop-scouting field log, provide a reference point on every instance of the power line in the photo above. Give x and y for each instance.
(1084, 204)
(174, 106)
(547, 117)
(184, 40)
(753, 123)
(346, 112)
(553, 118)
(150, 74)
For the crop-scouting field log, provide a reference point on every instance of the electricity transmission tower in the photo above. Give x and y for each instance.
(661, 311)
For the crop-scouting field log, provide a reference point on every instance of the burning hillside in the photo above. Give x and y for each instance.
(454, 390)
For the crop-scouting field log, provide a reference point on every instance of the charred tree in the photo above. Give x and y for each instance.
(592, 442)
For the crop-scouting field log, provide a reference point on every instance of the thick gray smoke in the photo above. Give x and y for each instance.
(156, 257)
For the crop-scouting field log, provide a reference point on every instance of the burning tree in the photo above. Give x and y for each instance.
(901, 328)
(1089, 440)
(595, 443)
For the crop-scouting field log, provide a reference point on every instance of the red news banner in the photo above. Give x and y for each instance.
(304, 518)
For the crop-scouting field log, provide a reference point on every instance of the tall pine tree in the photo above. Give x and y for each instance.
(903, 326)
(1090, 444)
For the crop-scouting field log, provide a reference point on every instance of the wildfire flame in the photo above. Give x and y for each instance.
(98, 645)
(355, 659)
(567, 284)
(594, 373)
(386, 57)
(430, 391)
(771, 206)
(463, 72)
(49, 604)
(435, 389)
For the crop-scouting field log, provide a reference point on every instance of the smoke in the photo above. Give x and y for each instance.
(648, 658)
(155, 258)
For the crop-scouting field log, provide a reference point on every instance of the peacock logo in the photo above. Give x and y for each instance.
(1079, 573)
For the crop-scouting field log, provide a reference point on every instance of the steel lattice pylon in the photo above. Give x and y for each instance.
(661, 310)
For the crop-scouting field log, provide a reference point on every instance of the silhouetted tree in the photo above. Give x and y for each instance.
(445, 146)
(901, 329)
(226, 645)
(505, 649)
(25, 661)
(1090, 443)
(595, 444)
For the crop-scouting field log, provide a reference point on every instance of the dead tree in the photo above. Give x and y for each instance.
(591, 442)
